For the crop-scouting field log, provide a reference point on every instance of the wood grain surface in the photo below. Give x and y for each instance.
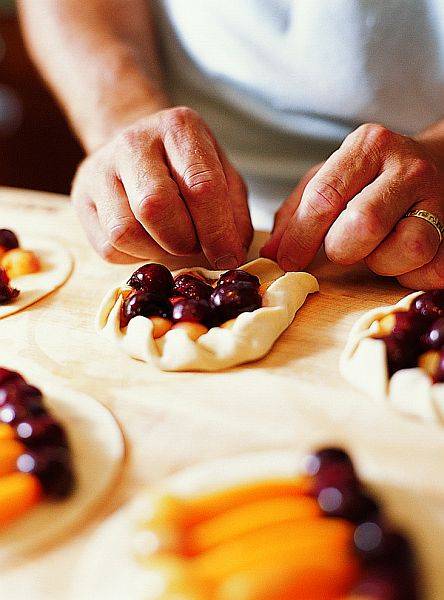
(293, 398)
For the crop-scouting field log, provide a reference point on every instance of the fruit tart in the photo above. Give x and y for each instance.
(42, 475)
(266, 530)
(203, 320)
(397, 353)
(27, 275)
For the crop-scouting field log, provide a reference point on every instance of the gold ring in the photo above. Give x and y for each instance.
(430, 218)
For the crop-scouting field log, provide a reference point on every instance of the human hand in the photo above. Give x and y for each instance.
(163, 186)
(355, 204)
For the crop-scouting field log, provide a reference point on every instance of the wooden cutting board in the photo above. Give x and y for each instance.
(293, 398)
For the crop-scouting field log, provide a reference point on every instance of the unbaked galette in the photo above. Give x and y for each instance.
(203, 320)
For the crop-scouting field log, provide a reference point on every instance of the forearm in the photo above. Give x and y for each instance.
(100, 59)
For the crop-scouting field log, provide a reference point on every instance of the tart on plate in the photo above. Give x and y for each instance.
(59, 454)
(396, 353)
(203, 320)
(29, 273)
(254, 527)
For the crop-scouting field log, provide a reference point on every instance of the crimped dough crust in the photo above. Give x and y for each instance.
(363, 363)
(251, 336)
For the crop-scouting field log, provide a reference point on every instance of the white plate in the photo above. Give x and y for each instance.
(107, 570)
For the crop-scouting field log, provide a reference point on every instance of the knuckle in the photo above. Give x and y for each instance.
(152, 207)
(420, 169)
(120, 231)
(179, 116)
(325, 198)
(376, 135)
(203, 182)
(366, 222)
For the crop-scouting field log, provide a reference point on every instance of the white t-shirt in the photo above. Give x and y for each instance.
(282, 82)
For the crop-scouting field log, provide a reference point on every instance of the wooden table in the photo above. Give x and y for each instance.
(294, 398)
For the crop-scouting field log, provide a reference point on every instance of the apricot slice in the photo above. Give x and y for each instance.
(20, 262)
(210, 505)
(322, 576)
(6, 432)
(160, 326)
(10, 450)
(249, 517)
(19, 492)
(193, 330)
(300, 545)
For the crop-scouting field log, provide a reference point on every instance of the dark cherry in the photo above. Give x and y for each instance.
(4, 279)
(13, 413)
(376, 545)
(153, 278)
(235, 276)
(8, 239)
(192, 287)
(229, 301)
(348, 503)
(7, 294)
(41, 431)
(408, 325)
(429, 305)
(386, 583)
(330, 467)
(433, 338)
(7, 376)
(195, 311)
(19, 393)
(400, 354)
(144, 304)
(438, 376)
(52, 465)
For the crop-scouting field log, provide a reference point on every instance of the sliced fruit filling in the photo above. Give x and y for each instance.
(35, 458)
(319, 536)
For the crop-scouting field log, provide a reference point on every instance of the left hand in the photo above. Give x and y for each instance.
(355, 204)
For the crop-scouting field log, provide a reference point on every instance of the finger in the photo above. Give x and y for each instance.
(369, 217)
(344, 174)
(87, 214)
(238, 196)
(427, 277)
(284, 214)
(119, 224)
(195, 165)
(154, 197)
(412, 244)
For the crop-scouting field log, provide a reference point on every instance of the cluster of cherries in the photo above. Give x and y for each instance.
(188, 297)
(8, 241)
(417, 334)
(388, 563)
(47, 455)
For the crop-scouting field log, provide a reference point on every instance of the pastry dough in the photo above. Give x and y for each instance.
(98, 452)
(251, 336)
(363, 363)
(56, 267)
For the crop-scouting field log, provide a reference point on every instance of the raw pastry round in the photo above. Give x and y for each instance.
(56, 267)
(363, 363)
(98, 452)
(251, 336)
(108, 570)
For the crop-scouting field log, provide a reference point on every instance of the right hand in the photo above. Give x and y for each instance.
(163, 186)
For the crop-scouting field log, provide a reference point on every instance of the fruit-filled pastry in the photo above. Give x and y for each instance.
(27, 275)
(316, 536)
(203, 320)
(397, 353)
(35, 457)
(49, 472)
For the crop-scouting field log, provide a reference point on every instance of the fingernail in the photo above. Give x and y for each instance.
(287, 264)
(227, 262)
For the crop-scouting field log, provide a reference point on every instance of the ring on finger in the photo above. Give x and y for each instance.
(430, 218)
